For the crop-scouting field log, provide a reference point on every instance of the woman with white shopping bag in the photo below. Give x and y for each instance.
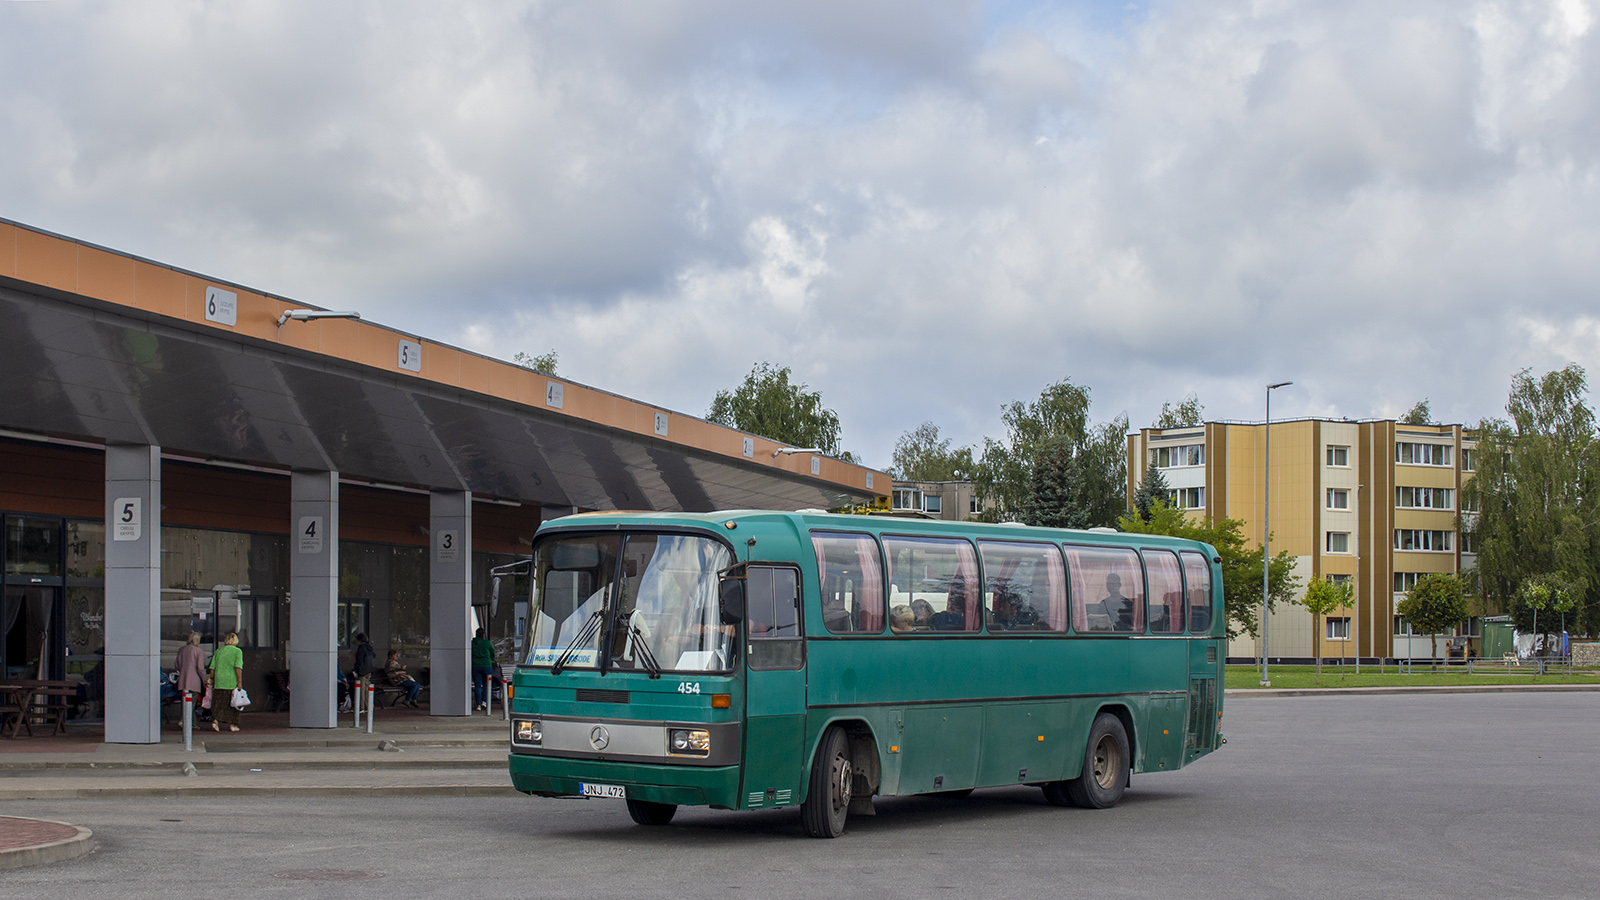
(227, 684)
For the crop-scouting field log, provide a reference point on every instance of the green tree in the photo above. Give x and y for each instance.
(1152, 488)
(1186, 414)
(920, 455)
(1418, 415)
(1323, 596)
(1435, 604)
(1241, 567)
(769, 404)
(1533, 503)
(1538, 593)
(544, 362)
(1055, 468)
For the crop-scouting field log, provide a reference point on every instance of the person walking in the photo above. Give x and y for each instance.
(227, 673)
(482, 669)
(191, 668)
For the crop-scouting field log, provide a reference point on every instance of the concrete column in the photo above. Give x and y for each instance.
(314, 598)
(133, 594)
(450, 603)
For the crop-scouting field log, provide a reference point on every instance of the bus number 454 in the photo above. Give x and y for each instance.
(689, 687)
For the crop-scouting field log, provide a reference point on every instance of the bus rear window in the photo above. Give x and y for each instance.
(1025, 586)
(850, 574)
(1166, 591)
(1107, 590)
(1198, 576)
(933, 585)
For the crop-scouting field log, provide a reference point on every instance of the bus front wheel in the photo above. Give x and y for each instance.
(828, 799)
(647, 812)
(1105, 766)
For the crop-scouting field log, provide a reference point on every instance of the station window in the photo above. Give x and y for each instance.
(933, 585)
(1197, 581)
(850, 576)
(1338, 456)
(1338, 628)
(1108, 589)
(1025, 586)
(1165, 611)
(352, 620)
(258, 623)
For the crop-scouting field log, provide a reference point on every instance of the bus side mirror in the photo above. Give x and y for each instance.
(494, 595)
(731, 595)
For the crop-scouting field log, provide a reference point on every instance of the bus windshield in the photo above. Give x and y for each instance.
(634, 601)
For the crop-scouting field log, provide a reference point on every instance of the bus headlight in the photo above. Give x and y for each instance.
(527, 731)
(689, 742)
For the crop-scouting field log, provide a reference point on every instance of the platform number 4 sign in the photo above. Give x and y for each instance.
(309, 534)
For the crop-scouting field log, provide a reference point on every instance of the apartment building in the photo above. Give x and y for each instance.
(1372, 502)
(950, 500)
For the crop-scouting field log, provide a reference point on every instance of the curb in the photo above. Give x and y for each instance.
(80, 844)
(178, 793)
(1236, 693)
(241, 765)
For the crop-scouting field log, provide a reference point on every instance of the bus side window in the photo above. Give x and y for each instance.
(1025, 586)
(1166, 591)
(1198, 577)
(850, 579)
(1107, 590)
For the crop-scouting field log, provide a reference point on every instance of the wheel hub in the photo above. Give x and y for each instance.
(842, 777)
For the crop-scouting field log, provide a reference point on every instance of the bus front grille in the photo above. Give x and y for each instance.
(596, 695)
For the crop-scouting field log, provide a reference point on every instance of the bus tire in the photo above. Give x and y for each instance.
(827, 802)
(1105, 766)
(648, 812)
(1055, 793)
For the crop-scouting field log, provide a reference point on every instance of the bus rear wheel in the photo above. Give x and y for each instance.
(1105, 766)
(827, 801)
(648, 812)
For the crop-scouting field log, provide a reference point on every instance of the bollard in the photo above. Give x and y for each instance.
(505, 700)
(355, 703)
(188, 721)
(372, 707)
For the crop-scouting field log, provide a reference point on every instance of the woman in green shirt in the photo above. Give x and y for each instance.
(227, 673)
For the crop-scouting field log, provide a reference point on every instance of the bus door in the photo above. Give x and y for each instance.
(775, 688)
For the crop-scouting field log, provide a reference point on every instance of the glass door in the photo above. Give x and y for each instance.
(33, 645)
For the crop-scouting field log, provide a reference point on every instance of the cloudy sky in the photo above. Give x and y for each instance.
(927, 208)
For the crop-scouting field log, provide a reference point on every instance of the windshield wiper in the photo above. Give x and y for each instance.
(583, 635)
(643, 649)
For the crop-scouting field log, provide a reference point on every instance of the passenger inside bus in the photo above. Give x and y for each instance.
(1118, 610)
(1012, 613)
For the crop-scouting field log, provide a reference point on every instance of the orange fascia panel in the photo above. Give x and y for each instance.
(105, 276)
(159, 290)
(475, 373)
(48, 261)
(8, 250)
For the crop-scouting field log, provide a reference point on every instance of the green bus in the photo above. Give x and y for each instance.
(759, 660)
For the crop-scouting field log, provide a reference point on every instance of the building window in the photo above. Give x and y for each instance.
(932, 504)
(974, 506)
(258, 623)
(1339, 579)
(1338, 542)
(1338, 498)
(352, 620)
(1405, 581)
(907, 498)
(1469, 461)
(1402, 628)
(1422, 454)
(1338, 456)
(1469, 542)
(1183, 455)
(1424, 498)
(1338, 628)
(1422, 539)
(1189, 498)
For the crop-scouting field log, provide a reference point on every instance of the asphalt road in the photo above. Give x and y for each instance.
(1342, 797)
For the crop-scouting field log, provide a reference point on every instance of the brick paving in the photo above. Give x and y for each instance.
(15, 832)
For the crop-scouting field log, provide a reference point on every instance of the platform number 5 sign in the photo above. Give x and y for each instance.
(127, 516)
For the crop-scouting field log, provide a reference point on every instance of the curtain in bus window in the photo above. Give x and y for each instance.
(850, 576)
(933, 584)
(1198, 576)
(1166, 591)
(1109, 588)
(1025, 586)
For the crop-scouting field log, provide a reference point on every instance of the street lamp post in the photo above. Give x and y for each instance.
(1266, 532)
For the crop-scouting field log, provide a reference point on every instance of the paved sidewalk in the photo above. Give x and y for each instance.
(1418, 689)
(408, 753)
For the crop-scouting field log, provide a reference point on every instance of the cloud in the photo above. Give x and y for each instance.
(926, 209)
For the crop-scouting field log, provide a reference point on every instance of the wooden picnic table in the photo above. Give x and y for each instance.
(29, 698)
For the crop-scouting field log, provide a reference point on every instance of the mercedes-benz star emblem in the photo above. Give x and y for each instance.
(599, 737)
